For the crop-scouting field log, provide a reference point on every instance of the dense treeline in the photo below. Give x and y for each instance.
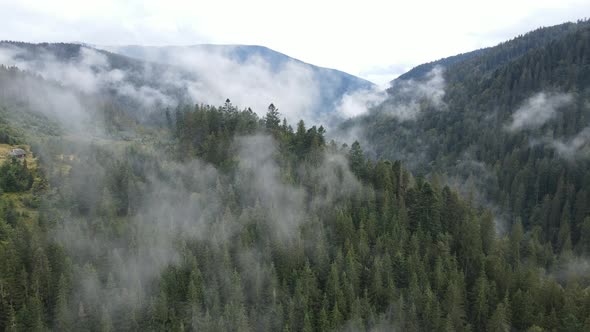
(386, 251)
(488, 59)
(45, 107)
(537, 176)
(212, 218)
(15, 176)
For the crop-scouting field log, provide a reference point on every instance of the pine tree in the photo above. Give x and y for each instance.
(356, 159)
(63, 319)
(272, 119)
(500, 321)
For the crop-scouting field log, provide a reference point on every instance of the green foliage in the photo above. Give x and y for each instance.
(520, 173)
(15, 176)
(401, 252)
(388, 251)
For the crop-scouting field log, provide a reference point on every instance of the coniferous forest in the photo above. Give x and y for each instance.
(205, 217)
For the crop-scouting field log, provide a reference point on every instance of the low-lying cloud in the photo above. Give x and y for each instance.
(199, 75)
(178, 203)
(89, 71)
(410, 97)
(574, 148)
(253, 83)
(261, 184)
(571, 268)
(538, 109)
(360, 102)
(253, 79)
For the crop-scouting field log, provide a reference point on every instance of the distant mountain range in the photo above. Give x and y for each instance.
(242, 54)
(331, 84)
(158, 77)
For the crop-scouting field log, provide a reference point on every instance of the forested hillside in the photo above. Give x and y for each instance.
(332, 84)
(488, 59)
(150, 79)
(213, 218)
(510, 127)
(222, 220)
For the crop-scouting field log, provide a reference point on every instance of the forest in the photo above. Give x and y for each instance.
(213, 218)
(533, 174)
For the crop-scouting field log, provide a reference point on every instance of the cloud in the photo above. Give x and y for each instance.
(88, 71)
(261, 183)
(431, 88)
(335, 182)
(208, 76)
(189, 202)
(176, 203)
(574, 148)
(409, 98)
(31, 96)
(406, 100)
(252, 77)
(253, 83)
(359, 102)
(570, 268)
(478, 183)
(537, 110)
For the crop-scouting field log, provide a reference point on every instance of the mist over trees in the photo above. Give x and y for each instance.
(513, 131)
(212, 218)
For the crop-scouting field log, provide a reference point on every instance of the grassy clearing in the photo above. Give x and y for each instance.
(20, 199)
(28, 214)
(5, 149)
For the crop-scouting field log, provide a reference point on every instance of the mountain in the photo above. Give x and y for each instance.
(135, 86)
(227, 61)
(333, 83)
(129, 214)
(250, 76)
(217, 220)
(488, 59)
(512, 119)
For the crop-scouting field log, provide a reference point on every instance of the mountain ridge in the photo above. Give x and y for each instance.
(511, 119)
(136, 47)
(530, 40)
(301, 90)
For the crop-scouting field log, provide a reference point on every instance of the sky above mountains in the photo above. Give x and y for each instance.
(376, 40)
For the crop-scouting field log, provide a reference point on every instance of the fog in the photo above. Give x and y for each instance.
(537, 110)
(410, 98)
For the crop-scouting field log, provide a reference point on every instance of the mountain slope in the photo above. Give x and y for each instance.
(331, 84)
(250, 76)
(229, 222)
(512, 119)
(487, 59)
(136, 86)
(216, 219)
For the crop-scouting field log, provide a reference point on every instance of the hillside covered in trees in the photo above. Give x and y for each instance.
(213, 218)
(508, 124)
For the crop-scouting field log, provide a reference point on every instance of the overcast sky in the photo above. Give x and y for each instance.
(376, 40)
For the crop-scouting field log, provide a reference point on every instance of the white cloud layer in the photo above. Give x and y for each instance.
(293, 87)
(411, 97)
(538, 109)
(359, 102)
(201, 75)
(577, 147)
(89, 72)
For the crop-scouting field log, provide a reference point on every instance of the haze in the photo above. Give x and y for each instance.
(376, 40)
